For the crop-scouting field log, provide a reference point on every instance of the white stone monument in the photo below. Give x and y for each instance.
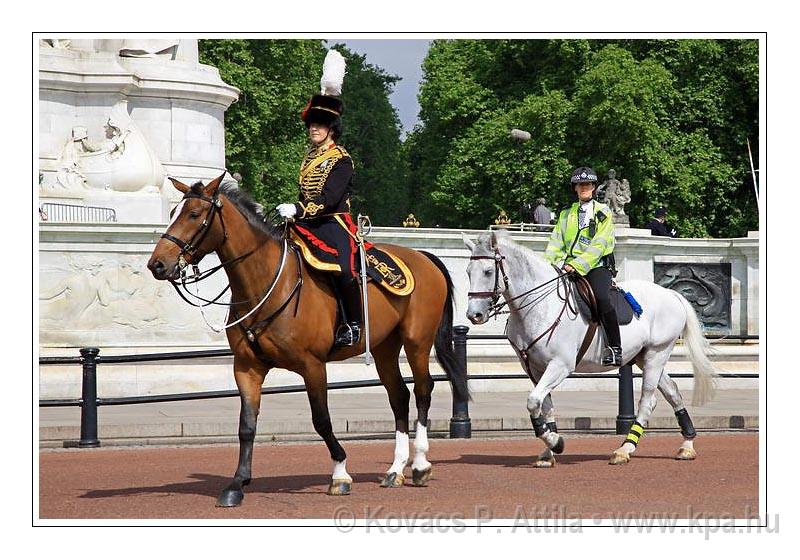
(119, 115)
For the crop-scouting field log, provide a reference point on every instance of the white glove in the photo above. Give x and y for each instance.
(287, 210)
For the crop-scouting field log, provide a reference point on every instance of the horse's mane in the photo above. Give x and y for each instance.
(509, 245)
(249, 208)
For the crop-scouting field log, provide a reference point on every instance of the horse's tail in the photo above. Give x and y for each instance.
(699, 349)
(443, 344)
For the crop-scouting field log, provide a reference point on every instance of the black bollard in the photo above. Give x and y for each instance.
(89, 399)
(625, 414)
(460, 423)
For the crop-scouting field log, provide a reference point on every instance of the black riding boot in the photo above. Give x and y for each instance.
(349, 334)
(612, 356)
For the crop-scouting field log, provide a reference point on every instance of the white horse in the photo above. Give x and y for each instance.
(547, 335)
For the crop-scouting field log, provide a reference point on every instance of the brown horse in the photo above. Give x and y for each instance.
(288, 316)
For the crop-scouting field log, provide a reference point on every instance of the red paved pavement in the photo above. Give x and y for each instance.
(471, 479)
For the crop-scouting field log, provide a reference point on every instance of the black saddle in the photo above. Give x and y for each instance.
(587, 304)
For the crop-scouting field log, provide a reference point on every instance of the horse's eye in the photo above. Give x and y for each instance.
(488, 272)
(194, 214)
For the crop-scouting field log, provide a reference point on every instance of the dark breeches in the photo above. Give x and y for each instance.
(600, 279)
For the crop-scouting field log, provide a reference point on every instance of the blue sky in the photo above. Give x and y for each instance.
(401, 57)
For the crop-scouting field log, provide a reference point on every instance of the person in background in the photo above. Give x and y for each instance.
(658, 225)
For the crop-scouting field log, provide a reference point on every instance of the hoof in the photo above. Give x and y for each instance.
(230, 497)
(393, 480)
(619, 458)
(543, 463)
(340, 488)
(558, 448)
(686, 454)
(420, 478)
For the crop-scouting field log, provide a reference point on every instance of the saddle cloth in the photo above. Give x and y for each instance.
(387, 270)
(589, 311)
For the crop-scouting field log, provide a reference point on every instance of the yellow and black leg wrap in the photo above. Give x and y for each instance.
(685, 422)
(634, 434)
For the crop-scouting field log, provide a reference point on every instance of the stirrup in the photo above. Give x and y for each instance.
(348, 334)
(612, 356)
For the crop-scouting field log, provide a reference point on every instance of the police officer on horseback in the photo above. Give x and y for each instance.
(322, 215)
(582, 243)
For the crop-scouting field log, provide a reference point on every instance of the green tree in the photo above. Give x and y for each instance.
(264, 137)
(670, 116)
(372, 137)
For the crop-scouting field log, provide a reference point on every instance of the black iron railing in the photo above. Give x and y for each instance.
(460, 423)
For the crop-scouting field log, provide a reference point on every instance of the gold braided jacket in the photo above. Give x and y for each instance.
(317, 196)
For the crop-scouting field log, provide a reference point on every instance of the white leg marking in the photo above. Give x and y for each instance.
(628, 448)
(400, 453)
(550, 438)
(340, 471)
(421, 462)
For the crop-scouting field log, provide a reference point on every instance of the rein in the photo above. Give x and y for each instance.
(190, 248)
(496, 308)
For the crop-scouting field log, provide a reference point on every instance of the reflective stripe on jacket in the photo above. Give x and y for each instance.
(572, 245)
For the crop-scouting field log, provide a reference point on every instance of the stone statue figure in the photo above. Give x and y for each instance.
(123, 161)
(616, 194)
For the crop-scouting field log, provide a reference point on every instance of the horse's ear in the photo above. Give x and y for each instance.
(180, 186)
(212, 187)
(496, 236)
(468, 242)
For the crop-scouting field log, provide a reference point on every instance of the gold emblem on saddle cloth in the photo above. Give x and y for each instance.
(316, 167)
(399, 282)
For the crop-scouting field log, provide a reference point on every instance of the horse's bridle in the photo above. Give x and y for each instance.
(494, 295)
(190, 248)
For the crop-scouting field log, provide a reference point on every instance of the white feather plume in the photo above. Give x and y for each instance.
(332, 74)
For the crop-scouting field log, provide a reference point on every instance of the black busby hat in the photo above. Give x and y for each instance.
(583, 175)
(323, 109)
(326, 107)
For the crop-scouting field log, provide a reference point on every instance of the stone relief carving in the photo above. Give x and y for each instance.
(96, 292)
(122, 162)
(706, 286)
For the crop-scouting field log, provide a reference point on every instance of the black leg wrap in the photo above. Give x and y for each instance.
(685, 422)
(539, 426)
(552, 427)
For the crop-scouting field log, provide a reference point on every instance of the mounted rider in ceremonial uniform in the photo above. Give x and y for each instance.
(322, 215)
(582, 243)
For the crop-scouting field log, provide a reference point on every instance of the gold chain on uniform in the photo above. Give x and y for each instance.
(316, 167)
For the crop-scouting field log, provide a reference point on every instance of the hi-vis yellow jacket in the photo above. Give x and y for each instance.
(583, 248)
